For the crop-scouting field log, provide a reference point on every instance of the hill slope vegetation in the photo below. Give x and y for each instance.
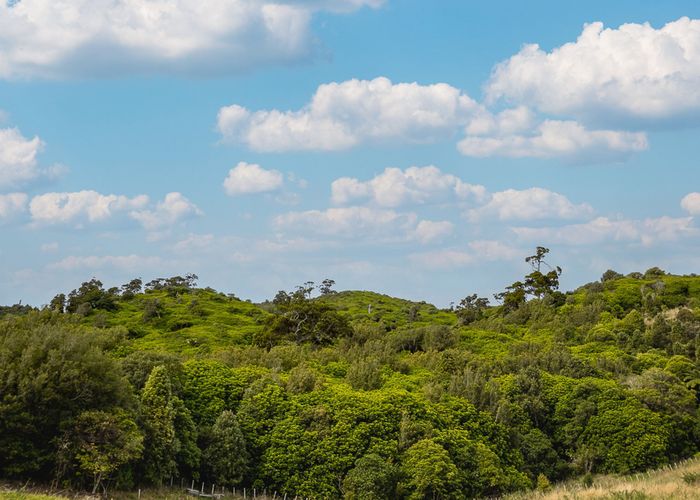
(351, 394)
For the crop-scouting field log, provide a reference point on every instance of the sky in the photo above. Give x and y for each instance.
(418, 149)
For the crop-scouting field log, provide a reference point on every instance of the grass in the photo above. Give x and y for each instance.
(391, 311)
(676, 482)
(197, 323)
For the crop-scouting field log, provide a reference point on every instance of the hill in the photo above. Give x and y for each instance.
(351, 393)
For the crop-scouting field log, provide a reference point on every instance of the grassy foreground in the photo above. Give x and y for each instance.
(679, 481)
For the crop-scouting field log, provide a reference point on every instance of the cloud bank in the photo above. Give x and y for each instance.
(88, 38)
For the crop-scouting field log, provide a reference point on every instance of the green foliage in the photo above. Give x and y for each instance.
(102, 442)
(353, 394)
(301, 320)
(227, 456)
(301, 379)
(365, 374)
(372, 478)
(50, 373)
(158, 414)
(429, 473)
(89, 297)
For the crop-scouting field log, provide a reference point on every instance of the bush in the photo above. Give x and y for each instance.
(301, 379)
(365, 375)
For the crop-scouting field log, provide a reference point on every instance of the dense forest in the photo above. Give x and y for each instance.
(353, 394)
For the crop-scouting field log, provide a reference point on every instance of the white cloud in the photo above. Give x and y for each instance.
(171, 210)
(478, 252)
(46, 38)
(607, 75)
(428, 231)
(530, 204)
(55, 208)
(123, 262)
(363, 223)
(501, 136)
(346, 221)
(691, 203)
(194, 243)
(12, 204)
(247, 178)
(415, 185)
(603, 229)
(17, 157)
(342, 115)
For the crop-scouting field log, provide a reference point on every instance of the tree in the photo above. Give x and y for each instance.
(58, 303)
(158, 414)
(103, 442)
(372, 478)
(131, 288)
(91, 296)
(49, 375)
(610, 275)
(188, 453)
(471, 308)
(227, 455)
(538, 283)
(301, 320)
(326, 287)
(626, 437)
(513, 297)
(429, 473)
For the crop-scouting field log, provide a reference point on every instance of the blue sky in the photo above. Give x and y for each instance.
(420, 149)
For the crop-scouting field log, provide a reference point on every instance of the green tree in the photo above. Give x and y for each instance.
(227, 455)
(471, 308)
(372, 478)
(58, 303)
(158, 414)
(103, 442)
(91, 296)
(429, 473)
(627, 437)
(326, 287)
(188, 453)
(50, 374)
(538, 283)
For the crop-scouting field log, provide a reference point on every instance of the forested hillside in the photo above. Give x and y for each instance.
(352, 394)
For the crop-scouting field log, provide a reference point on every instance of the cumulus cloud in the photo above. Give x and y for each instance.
(691, 203)
(428, 231)
(603, 229)
(122, 262)
(361, 222)
(12, 204)
(249, 178)
(172, 209)
(514, 134)
(79, 206)
(476, 252)
(45, 38)
(530, 204)
(342, 115)
(17, 157)
(632, 73)
(395, 187)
